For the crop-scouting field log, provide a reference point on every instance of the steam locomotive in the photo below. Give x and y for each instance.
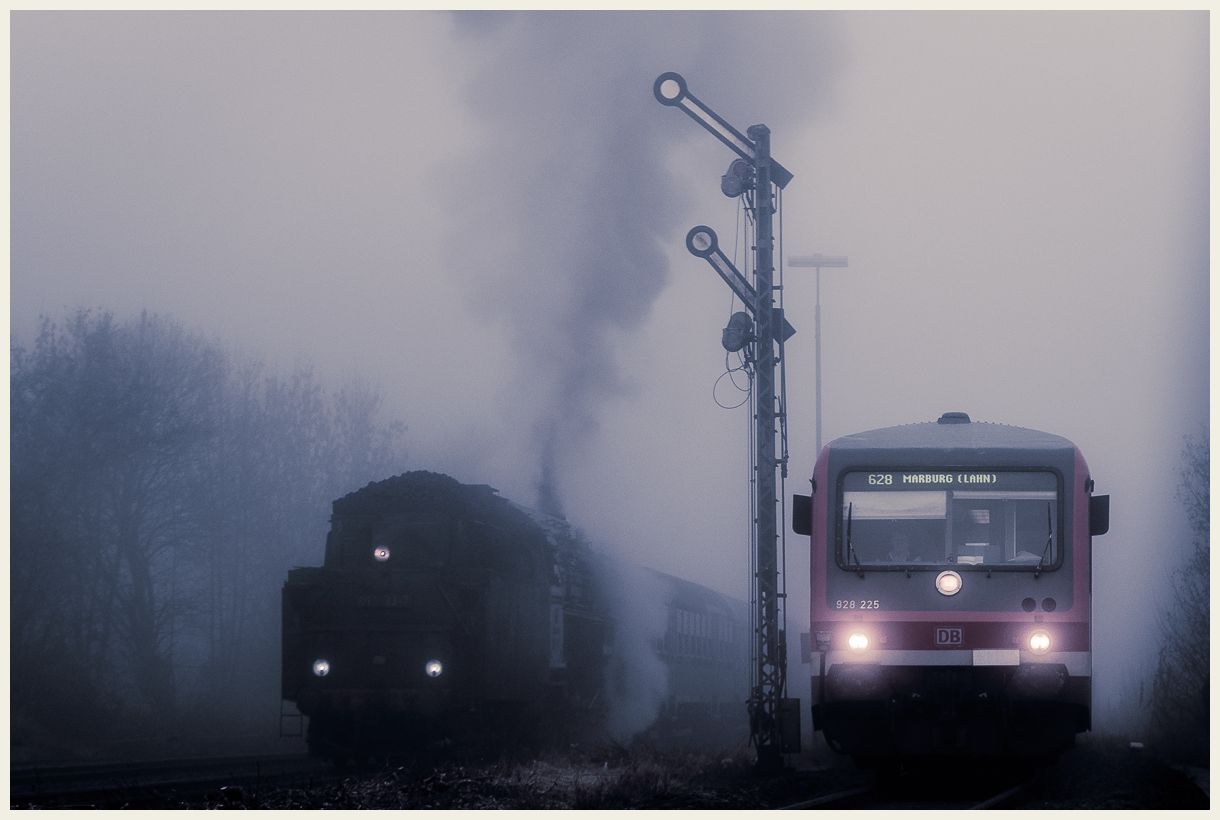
(950, 590)
(443, 612)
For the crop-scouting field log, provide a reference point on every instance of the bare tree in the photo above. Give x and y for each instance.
(108, 417)
(1181, 687)
(285, 450)
(365, 446)
(160, 492)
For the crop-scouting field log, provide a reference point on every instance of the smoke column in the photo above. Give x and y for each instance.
(569, 203)
(637, 680)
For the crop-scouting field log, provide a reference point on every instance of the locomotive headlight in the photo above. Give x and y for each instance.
(433, 668)
(1039, 642)
(948, 583)
(857, 640)
(321, 667)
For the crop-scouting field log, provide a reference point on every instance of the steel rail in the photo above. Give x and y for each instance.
(52, 784)
(873, 796)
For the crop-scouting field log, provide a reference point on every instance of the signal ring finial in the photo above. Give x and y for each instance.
(670, 88)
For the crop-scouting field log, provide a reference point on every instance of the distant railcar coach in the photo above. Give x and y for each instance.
(950, 590)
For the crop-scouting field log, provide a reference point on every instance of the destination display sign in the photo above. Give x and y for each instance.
(949, 479)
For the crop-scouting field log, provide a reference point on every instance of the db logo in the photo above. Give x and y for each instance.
(948, 636)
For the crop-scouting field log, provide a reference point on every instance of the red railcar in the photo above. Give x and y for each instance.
(950, 590)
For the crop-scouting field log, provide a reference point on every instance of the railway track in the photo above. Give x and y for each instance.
(128, 784)
(906, 792)
(1092, 777)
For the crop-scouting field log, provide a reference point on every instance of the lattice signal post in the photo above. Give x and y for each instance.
(768, 706)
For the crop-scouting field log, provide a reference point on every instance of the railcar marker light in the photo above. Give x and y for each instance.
(857, 640)
(381, 554)
(433, 668)
(1039, 642)
(948, 583)
(321, 667)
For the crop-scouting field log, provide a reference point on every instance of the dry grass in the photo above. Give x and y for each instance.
(609, 777)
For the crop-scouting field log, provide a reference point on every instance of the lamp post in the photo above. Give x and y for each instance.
(817, 261)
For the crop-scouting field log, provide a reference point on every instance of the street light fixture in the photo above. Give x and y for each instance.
(817, 261)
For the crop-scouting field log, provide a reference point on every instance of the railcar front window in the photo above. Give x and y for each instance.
(897, 519)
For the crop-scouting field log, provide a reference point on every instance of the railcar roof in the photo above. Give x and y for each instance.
(696, 596)
(940, 435)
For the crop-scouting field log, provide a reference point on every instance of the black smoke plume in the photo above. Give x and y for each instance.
(570, 203)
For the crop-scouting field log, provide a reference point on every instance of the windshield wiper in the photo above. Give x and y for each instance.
(851, 551)
(1049, 541)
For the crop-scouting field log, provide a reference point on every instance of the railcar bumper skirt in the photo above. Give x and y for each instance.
(1077, 664)
(871, 708)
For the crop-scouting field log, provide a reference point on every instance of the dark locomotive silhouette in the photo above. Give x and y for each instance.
(443, 611)
(951, 579)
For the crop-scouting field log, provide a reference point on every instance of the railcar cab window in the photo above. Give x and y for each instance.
(972, 518)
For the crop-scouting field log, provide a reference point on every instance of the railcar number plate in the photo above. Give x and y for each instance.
(855, 603)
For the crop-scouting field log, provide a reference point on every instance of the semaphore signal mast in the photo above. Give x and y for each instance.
(774, 723)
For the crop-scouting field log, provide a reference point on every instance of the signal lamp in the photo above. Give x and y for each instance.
(735, 181)
(381, 554)
(735, 336)
(321, 667)
(433, 668)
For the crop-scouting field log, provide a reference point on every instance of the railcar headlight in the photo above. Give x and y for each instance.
(433, 668)
(1039, 642)
(321, 667)
(857, 640)
(381, 554)
(948, 583)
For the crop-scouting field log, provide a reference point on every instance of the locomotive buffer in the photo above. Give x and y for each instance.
(774, 719)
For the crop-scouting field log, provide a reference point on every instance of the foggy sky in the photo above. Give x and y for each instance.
(485, 214)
